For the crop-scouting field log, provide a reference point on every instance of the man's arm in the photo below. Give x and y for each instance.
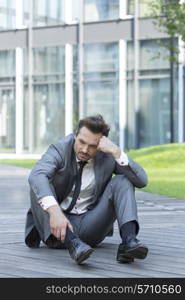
(39, 182)
(134, 172)
(44, 169)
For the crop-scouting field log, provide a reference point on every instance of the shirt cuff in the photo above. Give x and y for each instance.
(123, 160)
(47, 201)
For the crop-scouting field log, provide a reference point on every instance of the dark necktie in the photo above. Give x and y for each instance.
(77, 186)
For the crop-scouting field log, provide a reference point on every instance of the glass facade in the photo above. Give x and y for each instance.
(7, 69)
(145, 7)
(49, 114)
(154, 116)
(48, 97)
(154, 95)
(100, 10)
(101, 83)
(52, 72)
(7, 101)
(153, 56)
(45, 13)
(7, 120)
(7, 14)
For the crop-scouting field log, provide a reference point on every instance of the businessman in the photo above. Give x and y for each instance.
(75, 199)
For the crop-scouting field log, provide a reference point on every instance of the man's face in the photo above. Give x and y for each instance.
(86, 144)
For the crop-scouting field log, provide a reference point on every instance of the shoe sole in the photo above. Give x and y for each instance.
(129, 255)
(84, 256)
(125, 259)
(139, 252)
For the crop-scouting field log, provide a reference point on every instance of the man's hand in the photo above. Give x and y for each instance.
(58, 222)
(107, 146)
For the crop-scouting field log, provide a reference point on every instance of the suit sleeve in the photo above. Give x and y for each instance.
(134, 172)
(43, 171)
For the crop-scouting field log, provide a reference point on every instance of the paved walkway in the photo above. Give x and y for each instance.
(162, 223)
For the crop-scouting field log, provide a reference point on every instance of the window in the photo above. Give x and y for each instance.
(101, 84)
(98, 10)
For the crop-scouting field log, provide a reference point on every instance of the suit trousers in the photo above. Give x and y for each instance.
(116, 203)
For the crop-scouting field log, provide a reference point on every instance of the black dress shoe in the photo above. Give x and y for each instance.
(78, 250)
(132, 249)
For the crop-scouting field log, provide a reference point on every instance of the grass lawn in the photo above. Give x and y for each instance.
(164, 164)
(26, 163)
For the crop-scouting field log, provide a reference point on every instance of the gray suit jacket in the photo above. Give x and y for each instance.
(54, 173)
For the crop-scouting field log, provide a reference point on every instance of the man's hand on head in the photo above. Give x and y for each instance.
(107, 146)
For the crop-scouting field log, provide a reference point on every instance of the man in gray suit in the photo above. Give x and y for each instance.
(75, 199)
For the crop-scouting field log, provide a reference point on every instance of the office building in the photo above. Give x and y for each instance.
(61, 60)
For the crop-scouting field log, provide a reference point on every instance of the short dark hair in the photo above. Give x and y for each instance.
(96, 124)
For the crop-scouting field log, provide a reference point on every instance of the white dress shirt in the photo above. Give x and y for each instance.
(87, 189)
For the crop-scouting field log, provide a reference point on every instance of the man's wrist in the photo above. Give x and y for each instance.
(53, 210)
(47, 201)
(116, 153)
(123, 159)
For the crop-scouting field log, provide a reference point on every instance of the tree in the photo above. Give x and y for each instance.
(169, 16)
